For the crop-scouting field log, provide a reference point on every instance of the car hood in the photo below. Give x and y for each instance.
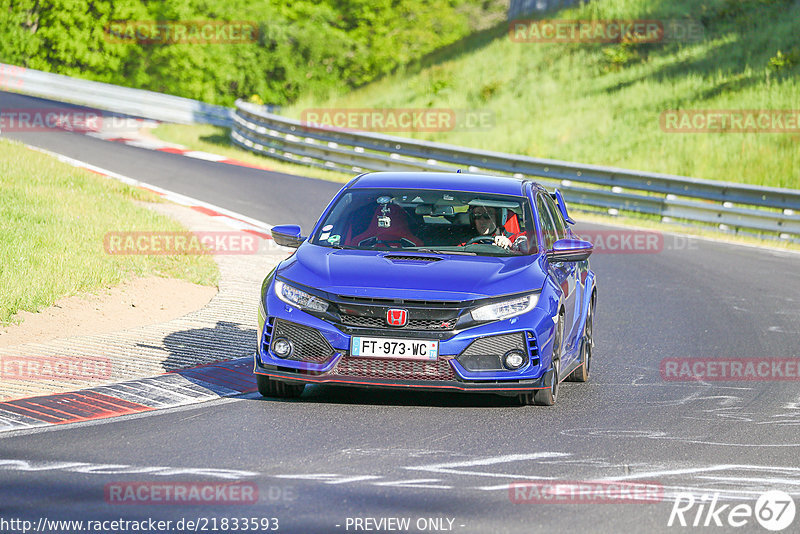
(376, 274)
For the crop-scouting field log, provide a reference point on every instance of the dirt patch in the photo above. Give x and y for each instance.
(138, 302)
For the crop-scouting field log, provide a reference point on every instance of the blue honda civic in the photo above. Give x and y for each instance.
(431, 281)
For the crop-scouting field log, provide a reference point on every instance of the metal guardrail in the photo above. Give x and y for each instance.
(723, 204)
(98, 95)
(521, 8)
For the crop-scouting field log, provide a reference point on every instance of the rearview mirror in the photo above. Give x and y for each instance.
(570, 250)
(287, 235)
(443, 211)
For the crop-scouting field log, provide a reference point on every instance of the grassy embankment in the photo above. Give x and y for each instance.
(601, 103)
(54, 218)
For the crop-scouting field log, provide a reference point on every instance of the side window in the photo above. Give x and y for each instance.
(561, 226)
(548, 227)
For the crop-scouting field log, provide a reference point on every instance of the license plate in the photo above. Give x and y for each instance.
(401, 349)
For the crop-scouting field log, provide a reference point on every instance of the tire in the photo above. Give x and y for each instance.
(282, 390)
(581, 374)
(549, 395)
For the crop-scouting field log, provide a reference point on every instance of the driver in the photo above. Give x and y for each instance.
(485, 220)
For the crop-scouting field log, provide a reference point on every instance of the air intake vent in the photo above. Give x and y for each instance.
(309, 344)
(486, 353)
(422, 259)
(533, 350)
(395, 369)
(267, 339)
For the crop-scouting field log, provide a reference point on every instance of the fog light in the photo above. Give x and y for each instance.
(514, 359)
(282, 347)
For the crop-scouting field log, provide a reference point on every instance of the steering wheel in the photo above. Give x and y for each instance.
(487, 239)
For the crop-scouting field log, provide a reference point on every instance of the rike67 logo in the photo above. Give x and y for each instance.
(774, 510)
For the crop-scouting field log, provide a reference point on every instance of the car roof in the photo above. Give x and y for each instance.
(478, 183)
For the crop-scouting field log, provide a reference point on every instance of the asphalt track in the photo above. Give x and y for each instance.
(338, 454)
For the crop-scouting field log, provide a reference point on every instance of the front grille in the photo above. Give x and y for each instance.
(439, 370)
(413, 324)
(436, 318)
(309, 344)
(486, 353)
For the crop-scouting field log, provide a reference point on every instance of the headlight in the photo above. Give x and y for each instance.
(505, 309)
(301, 299)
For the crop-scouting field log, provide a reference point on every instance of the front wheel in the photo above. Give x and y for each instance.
(273, 388)
(548, 395)
(581, 374)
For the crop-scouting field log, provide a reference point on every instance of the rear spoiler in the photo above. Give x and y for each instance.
(562, 206)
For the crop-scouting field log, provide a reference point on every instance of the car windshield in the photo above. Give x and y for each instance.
(450, 222)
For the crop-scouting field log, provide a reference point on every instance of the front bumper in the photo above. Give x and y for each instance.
(327, 360)
(300, 377)
(463, 363)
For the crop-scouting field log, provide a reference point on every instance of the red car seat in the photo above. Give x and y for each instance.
(397, 231)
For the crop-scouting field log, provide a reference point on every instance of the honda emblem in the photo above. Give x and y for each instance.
(396, 317)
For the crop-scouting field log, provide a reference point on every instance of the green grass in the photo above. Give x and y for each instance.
(216, 140)
(54, 218)
(601, 104)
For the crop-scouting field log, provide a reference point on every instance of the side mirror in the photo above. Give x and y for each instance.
(570, 250)
(287, 235)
